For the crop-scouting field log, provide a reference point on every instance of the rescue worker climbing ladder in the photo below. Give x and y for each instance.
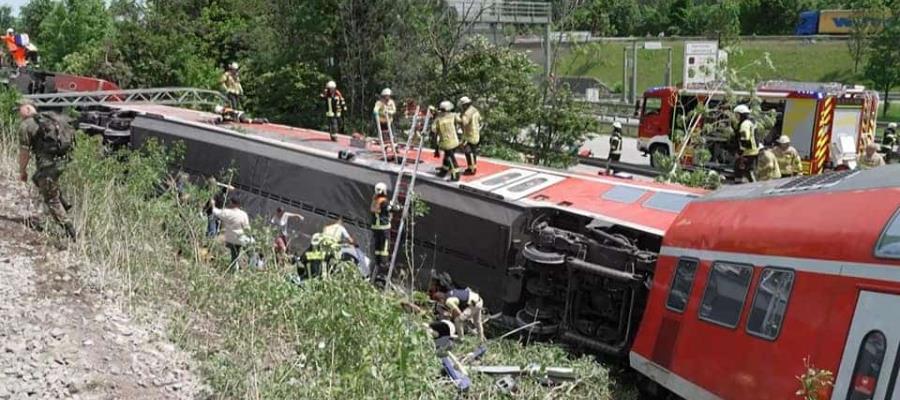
(381, 226)
(445, 129)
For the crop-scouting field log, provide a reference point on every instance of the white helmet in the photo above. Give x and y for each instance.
(446, 106)
(380, 188)
(220, 109)
(331, 85)
(617, 125)
(783, 139)
(464, 100)
(892, 125)
(233, 65)
(742, 109)
(386, 92)
(10, 31)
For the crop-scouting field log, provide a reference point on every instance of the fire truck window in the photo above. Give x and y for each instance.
(725, 293)
(770, 303)
(680, 290)
(868, 367)
(889, 244)
(652, 105)
(624, 194)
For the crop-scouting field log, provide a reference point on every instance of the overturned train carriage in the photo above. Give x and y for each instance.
(535, 257)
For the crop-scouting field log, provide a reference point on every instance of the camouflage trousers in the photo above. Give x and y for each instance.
(47, 183)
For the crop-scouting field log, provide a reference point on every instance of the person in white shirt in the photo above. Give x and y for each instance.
(280, 222)
(338, 233)
(234, 222)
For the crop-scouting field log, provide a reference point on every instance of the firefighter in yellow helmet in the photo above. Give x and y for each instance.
(470, 119)
(788, 158)
(767, 165)
(448, 141)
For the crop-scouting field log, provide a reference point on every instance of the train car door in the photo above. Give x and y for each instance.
(868, 369)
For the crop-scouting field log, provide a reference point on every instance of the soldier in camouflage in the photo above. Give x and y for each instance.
(48, 167)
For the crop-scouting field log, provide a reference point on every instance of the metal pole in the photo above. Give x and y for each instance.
(634, 71)
(547, 53)
(669, 68)
(625, 93)
(406, 205)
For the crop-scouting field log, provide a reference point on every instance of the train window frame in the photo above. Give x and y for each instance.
(787, 302)
(696, 264)
(712, 269)
(857, 364)
(892, 222)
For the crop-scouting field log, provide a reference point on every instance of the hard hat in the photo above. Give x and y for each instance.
(10, 31)
(386, 92)
(431, 109)
(617, 125)
(233, 65)
(331, 85)
(380, 188)
(892, 125)
(783, 139)
(464, 100)
(316, 239)
(446, 106)
(742, 109)
(219, 109)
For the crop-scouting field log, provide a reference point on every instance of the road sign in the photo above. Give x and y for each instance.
(701, 60)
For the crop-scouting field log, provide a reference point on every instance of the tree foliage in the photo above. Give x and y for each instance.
(884, 57)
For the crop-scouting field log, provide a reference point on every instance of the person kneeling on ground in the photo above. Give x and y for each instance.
(234, 222)
(317, 258)
(227, 114)
(463, 304)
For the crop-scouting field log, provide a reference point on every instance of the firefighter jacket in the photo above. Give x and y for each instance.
(381, 213)
(867, 162)
(615, 142)
(385, 110)
(231, 83)
(889, 139)
(767, 166)
(445, 128)
(788, 161)
(314, 261)
(471, 125)
(747, 138)
(334, 102)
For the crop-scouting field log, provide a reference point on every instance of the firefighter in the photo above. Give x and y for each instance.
(384, 110)
(316, 259)
(231, 84)
(470, 121)
(334, 103)
(871, 159)
(748, 148)
(463, 304)
(381, 209)
(229, 114)
(767, 167)
(445, 128)
(615, 142)
(788, 158)
(888, 141)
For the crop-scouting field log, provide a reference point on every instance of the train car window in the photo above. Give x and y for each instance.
(868, 367)
(726, 291)
(682, 282)
(888, 245)
(770, 303)
(670, 202)
(624, 194)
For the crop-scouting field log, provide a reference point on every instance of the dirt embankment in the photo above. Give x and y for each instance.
(61, 339)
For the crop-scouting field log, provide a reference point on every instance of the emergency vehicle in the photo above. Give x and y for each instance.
(827, 123)
(753, 279)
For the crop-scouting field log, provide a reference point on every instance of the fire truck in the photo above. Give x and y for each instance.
(827, 123)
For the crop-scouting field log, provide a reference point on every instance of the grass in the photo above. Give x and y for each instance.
(253, 334)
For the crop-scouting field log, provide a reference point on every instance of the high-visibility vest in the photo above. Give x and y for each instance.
(767, 167)
(471, 125)
(747, 132)
(788, 161)
(232, 84)
(445, 126)
(385, 110)
(381, 214)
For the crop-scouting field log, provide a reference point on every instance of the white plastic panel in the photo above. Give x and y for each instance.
(500, 179)
(528, 186)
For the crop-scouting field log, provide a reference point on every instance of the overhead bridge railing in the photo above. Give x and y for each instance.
(161, 96)
(500, 11)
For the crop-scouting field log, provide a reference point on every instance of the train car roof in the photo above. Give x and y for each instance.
(845, 220)
(645, 206)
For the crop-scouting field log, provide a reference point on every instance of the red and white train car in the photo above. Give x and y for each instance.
(753, 279)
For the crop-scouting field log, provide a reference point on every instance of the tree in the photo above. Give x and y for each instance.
(866, 22)
(72, 26)
(6, 18)
(33, 13)
(884, 58)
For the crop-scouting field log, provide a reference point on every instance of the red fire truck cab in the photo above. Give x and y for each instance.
(827, 123)
(753, 279)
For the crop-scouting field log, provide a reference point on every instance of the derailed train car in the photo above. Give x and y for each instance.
(574, 251)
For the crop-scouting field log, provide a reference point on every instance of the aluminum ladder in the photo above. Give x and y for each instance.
(160, 96)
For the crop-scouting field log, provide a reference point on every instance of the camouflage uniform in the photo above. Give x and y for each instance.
(46, 176)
